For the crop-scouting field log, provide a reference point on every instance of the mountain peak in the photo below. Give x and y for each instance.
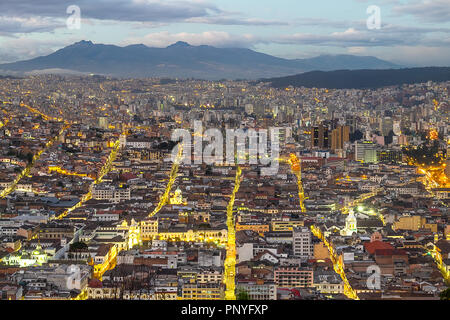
(179, 44)
(83, 43)
(140, 45)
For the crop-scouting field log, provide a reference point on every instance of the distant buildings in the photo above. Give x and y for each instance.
(79, 206)
(339, 137)
(320, 137)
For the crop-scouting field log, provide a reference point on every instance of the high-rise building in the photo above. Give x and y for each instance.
(370, 156)
(386, 126)
(397, 128)
(365, 151)
(302, 243)
(103, 122)
(339, 136)
(352, 123)
(394, 156)
(319, 137)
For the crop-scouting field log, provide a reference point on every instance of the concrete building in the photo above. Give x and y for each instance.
(302, 243)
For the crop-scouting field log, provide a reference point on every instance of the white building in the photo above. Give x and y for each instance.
(259, 290)
(302, 243)
(351, 226)
(111, 194)
(139, 143)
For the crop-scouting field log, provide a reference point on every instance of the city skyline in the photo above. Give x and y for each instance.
(98, 203)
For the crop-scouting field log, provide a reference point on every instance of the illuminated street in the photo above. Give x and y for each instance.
(230, 261)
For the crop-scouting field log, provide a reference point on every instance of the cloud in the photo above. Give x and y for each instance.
(418, 56)
(226, 20)
(212, 38)
(119, 10)
(24, 48)
(133, 11)
(387, 36)
(10, 25)
(144, 13)
(383, 2)
(348, 38)
(426, 10)
(357, 50)
(327, 23)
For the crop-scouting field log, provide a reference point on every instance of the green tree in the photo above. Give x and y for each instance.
(242, 295)
(78, 246)
(356, 136)
(29, 157)
(445, 295)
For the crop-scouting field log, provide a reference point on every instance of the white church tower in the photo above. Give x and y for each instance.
(351, 226)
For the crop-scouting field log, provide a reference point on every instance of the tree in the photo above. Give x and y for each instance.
(242, 295)
(390, 137)
(356, 136)
(78, 246)
(445, 295)
(29, 157)
(407, 131)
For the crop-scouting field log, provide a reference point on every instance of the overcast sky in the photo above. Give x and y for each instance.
(413, 32)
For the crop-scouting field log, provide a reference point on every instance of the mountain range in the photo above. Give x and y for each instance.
(362, 79)
(182, 60)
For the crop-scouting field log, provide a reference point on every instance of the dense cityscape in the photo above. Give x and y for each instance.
(93, 205)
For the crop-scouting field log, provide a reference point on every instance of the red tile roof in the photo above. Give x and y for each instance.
(371, 247)
(390, 252)
(95, 283)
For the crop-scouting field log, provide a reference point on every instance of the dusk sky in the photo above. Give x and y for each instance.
(414, 32)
